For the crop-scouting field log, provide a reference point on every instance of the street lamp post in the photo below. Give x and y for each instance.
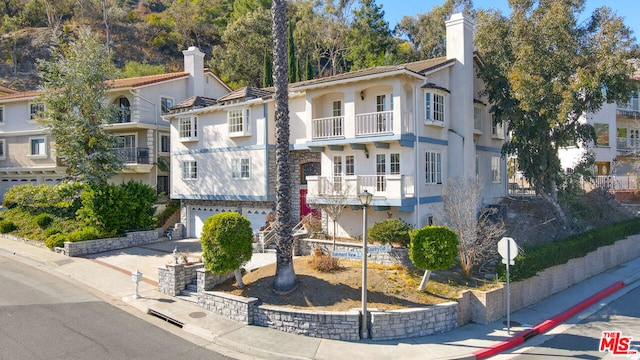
(365, 200)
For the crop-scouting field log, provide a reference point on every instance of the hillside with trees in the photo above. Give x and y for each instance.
(325, 37)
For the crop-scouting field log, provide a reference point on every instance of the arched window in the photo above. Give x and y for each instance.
(123, 110)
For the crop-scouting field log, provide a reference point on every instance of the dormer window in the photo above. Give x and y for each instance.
(238, 120)
(188, 128)
(434, 108)
(123, 110)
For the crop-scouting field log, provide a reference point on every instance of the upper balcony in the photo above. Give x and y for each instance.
(366, 124)
(136, 159)
(387, 190)
(629, 109)
(627, 146)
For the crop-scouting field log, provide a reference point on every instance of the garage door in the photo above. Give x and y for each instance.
(198, 215)
(257, 217)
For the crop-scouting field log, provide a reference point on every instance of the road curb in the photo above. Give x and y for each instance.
(548, 324)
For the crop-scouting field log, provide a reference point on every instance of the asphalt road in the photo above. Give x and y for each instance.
(582, 340)
(43, 316)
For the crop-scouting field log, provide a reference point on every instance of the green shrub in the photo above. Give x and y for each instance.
(63, 198)
(172, 207)
(433, 248)
(390, 230)
(534, 259)
(51, 231)
(43, 220)
(226, 242)
(84, 234)
(7, 226)
(115, 209)
(55, 240)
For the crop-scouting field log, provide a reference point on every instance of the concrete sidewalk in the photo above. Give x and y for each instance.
(110, 273)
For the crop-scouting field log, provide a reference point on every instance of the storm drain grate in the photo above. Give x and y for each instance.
(166, 318)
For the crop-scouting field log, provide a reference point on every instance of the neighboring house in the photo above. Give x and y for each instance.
(27, 151)
(616, 149)
(399, 132)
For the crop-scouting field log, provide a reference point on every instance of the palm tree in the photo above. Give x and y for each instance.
(285, 280)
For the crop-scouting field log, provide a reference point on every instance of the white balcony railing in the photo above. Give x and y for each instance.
(392, 187)
(616, 182)
(632, 105)
(328, 128)
(628, 146)
(375, 123)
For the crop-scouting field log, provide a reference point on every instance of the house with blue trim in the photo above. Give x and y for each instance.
(399, 132)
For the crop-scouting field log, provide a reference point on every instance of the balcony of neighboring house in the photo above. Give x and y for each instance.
(630, 109)
(616, 182)
(135, 159)
(628, 146)
(387, 190)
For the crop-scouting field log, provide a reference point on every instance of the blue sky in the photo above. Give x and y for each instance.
(396, 9)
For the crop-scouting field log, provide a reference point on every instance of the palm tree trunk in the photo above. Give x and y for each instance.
(285, 279)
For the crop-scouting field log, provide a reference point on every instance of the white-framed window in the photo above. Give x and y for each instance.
(349, 165)
(602, 134)
(338, 174)
(165, 104)
(240, 168)
(123, 110)
(497, 130)
(165, 143)
(188, 128)
(38, 146)
(433, 167)
(3, 149)
(394, 164)
(238, 120)
(35, 109)
(434, 108)
(337, 108)
(189, 170)
(477, 119)
(1, 114)
(495, 169)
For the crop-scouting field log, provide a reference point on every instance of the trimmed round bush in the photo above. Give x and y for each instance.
(433, 248)
(226, 242)
(7, 226)
(43, 220)
(390, 230)
(55, 240)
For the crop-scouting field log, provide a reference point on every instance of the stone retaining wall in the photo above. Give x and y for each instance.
(397, 256)
(238, 308)
(208, 280)
(173, 278)
(319, 324)
(134, 238)
(487, 306)
(405, 323)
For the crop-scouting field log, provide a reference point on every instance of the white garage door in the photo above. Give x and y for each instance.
(198, 215)
(257, 217)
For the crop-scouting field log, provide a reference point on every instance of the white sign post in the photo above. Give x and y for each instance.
(508, 249)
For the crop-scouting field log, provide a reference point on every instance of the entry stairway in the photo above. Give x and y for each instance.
(267, 237)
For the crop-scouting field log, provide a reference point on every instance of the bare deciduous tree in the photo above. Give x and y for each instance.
(333, 205)
(478, 233)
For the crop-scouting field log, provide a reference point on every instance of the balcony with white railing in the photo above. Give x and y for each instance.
(632, 105)
(375, 123)
(628, 146)
(616, 183)
(387, 187)
(328, 128)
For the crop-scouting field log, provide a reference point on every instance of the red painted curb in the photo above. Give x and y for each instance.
(554, 321)
(548, 324)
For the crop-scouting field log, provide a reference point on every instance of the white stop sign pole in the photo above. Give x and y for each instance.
(508, 249)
